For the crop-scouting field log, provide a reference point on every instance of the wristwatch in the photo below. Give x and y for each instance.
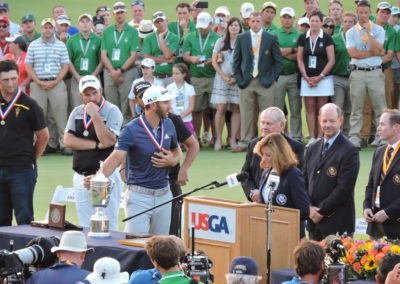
(122, 70)
(371, 34)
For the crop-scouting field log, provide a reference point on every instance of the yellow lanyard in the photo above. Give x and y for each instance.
(258, 45)
(385, 165)
(365, 38)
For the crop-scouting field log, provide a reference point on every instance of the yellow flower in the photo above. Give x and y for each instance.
(395, 249)
(370, 264)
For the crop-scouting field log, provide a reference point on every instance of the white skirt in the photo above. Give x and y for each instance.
(323, 89)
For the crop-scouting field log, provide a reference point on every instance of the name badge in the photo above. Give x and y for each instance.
(116, 54)
(202, 58)
(201, 65)
(312, 61)
(180, 51)
(46, 67)
(84, 66)
(180, 103)
(164, 64)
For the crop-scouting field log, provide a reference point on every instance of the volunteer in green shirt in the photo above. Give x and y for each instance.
(335, 12)
(28, 25)
(287, 82)
(161, 46)
(197, 51)
(119, 45)
(341, 71)
(84, 53)
(245, 11)
(268, 14)
(383, 12)
(182, 27)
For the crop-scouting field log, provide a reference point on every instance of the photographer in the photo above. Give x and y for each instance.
(71, 253)
(243, 270)
(309, 262)
(387, 264)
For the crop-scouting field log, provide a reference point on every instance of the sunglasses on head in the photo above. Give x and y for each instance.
(328, 26)
(119, 7)
(104, 9)
(134, 3)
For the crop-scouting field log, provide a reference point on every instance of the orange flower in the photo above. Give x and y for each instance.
(379, 256)
(385, 249)
(357, 266)
(373, 252)
(364, 259)
(323, 243)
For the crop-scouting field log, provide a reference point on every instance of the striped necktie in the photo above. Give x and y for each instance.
(387, 158)
(325, 149)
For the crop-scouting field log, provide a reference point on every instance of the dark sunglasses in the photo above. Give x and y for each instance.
(328, 26)
(137, 3)
(104, 9)
(4, 26)
(119, 7)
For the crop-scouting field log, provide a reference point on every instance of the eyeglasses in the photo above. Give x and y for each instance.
(104, 9)
(328, 26)
(4, 26)
(134, 3)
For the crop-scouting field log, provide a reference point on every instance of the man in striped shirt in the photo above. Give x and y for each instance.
(47, 64)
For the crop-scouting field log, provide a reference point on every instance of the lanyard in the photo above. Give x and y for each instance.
(344, 39)
(313, 45)
(365, 38)
(258, 44)
(120, 37)
(3, 50)
(178, 28)
(152, 137)
(86, 123)
(173, 276)
(202, 47)
(84, 51)
(386, 166)
(340, 28)
(158, 42)
(3, 115)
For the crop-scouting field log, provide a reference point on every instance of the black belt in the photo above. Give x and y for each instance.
(163, 76)
(48, 79)
(87, 173)
(354, 67)
(288, 73)
(343, 76)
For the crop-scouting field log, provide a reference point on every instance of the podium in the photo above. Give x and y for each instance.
(227, 229)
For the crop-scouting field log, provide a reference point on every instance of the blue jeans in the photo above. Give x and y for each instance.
(16, 193)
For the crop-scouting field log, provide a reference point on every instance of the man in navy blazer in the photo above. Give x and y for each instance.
(257, 63)
(272, 120)
(382, 194)
(330, 171)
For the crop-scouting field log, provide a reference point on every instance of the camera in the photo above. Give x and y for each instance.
(335, 270)
(198, 267)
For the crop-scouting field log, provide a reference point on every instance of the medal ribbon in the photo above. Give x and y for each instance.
(11, 105)
(87, 124)
(365, 38)
(3, 51)
(159, 146)
(386, 165)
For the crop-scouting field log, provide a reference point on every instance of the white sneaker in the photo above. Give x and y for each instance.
(376, 142)
(309, 142)
(206, 138)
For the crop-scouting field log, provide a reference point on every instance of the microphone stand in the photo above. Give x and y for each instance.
(212, 185)
(268, 213)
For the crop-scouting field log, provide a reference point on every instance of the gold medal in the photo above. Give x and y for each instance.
(3, 122)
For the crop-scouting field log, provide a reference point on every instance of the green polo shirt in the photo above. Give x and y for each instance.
(342, 57)
(338, 28)
(243, 28)
(397, 45)
(173, 27)
(286, 40)
(129, 41)
(175, 277)
(192, 44)
(35, 37)
(271, 28)
(151, 47)
(390, 40)
(93, 54)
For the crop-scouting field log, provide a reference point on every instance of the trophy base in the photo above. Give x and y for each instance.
(99, 235)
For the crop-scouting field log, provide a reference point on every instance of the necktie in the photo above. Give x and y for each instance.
(325, 149)
(387, 158)
(378, 189)
(256, 52)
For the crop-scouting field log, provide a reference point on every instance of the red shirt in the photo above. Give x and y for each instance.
(4, 48)
(22, 68)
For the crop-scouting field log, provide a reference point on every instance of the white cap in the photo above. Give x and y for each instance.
(107, 270)
(222, 10)
(74, 241)
(203, 20)
(118, 7)
(159, 15)
(63, 19)
(89, 81)
(85, 15)
(288, 11)
(156, 94)
(12, 38)
(246, 10)
(148, 62)
(303, 20)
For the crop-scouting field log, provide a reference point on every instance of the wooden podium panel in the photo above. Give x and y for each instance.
(227, 229)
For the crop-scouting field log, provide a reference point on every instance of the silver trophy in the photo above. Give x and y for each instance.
(100, 191)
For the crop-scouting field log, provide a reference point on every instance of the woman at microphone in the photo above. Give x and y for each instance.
(277, 158)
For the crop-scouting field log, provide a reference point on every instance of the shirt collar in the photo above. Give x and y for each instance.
(320, 35)
(395, 144)
(330, 141)
(258, 33)
(91, 35)
(360, 27)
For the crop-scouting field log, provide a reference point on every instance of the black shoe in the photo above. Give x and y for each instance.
(371, 139)
(199, 140)
(67, 152)
(363, 144)
(50, 150)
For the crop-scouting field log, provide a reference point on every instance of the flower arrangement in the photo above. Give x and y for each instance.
(363, 257)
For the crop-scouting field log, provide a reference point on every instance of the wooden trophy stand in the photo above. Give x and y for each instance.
(228, 229)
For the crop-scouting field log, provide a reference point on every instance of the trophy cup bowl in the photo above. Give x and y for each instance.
(100, 191)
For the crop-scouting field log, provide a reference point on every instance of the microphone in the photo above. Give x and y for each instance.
(272, 183)
(232, 180)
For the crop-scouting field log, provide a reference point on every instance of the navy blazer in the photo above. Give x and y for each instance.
(330, 182)
(390, 193)
(252, 163)
(291, 191)
(270, 60)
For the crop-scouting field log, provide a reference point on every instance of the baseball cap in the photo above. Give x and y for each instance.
(148, 62)
(89, 81)
(140, 87)
(63, 19)
(18, 39)
(145, 28)
(222, 10)
(157, 94)
(363, 3)
(98, 20)
(303, 20)
(74, 241)
(4, 6)
(159, 15)
(107, 270)
(119, 6)
(4, 19)
(288, 11)
(395, 11)
(384, 6)
(244, 265)
(27, 17)
(203, 20)
(246, 9)
(48, 20)
(269, 5)
(85, 15)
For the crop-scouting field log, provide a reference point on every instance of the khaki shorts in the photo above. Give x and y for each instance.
(203, 87)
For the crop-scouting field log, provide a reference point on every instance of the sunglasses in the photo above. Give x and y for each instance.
(104, 9)
(328, 26)
(119, 7)
(269, 4)
(134, 3)
(4, 26)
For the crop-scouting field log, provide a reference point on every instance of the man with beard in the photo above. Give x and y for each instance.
(142, 143)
